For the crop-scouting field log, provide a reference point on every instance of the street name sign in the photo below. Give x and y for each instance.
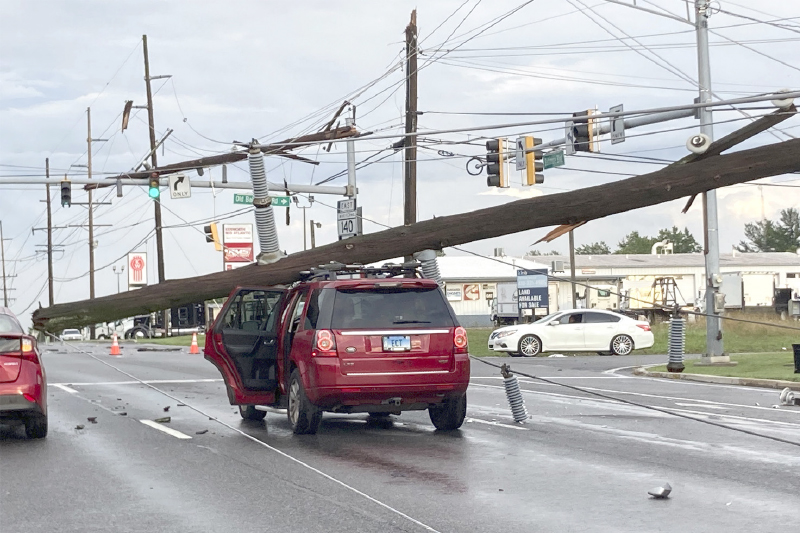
(247, 199)
(554, 159)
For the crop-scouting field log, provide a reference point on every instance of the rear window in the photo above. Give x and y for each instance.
(9, 325)
(354, 309)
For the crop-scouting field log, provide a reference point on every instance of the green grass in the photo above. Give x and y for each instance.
(770, 365)
(738, 337)
(182, 340)
(478, 342)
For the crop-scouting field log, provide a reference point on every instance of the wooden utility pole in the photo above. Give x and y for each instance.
(670, 183)
(3, 260)
(51, 299)
(154, 162)
(572, 269)
(91, 210)
(410, 152)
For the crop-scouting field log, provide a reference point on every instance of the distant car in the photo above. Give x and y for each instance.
(71, 335)
(578, 330)
(23, 385)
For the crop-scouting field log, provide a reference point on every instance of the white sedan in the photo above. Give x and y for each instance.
(577, 330)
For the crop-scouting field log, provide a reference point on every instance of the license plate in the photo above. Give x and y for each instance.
(397, 343)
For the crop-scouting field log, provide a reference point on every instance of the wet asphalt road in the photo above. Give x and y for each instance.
(580, 463)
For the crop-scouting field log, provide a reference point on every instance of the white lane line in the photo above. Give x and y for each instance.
(165, 429)
(509, 426)
(700, 405)
(154, 381)
(65, 388)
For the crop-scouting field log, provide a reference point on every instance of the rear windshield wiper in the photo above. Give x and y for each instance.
(411, 322)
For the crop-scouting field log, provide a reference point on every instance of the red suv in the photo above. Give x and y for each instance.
(374, 343)
(23, 386)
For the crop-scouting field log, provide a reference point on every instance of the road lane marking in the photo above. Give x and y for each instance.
(700, 405)
(65, 388)
(165, 429)
(509, 426)
(154, 381)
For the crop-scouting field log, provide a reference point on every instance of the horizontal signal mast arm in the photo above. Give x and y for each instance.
(670, 183)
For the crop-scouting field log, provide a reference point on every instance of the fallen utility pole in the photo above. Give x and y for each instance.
(670, 183)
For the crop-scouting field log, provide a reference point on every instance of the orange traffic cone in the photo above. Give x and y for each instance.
(193, 348)
(115, 345)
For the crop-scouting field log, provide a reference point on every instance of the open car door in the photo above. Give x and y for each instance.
(244, 344)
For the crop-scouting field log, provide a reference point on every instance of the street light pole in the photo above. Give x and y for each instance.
(714, 346)
(313, 239)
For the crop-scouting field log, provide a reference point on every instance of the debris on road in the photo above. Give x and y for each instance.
(163, 420)
(181, 405)
(201, 432)
(92, 419)
(79, 426)
(146, 349)
(788, 397)
(123, 413)
(660, 493)
(166, 409)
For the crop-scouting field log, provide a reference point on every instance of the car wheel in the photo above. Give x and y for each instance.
(249, 412)
(36, 426)
(304, 416)
(530, 346)
(380, 415)
(101, 337)
(450, 414)
(621, 345)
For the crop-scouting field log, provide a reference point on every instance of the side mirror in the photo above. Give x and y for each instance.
(553, 323)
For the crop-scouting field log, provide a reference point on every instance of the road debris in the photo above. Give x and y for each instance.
(79, 426)
(92, 419)
(166, 409)
(201, 432)
(163, 420)
(660, 493)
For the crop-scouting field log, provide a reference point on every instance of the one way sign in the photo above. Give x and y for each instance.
(179, 186)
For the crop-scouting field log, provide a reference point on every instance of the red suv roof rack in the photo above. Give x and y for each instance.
(332, 270)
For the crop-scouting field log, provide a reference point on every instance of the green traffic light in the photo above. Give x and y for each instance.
(154, 192)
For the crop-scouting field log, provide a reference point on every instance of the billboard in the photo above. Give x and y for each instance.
(137, 269)
(532, 289)
(237, 245)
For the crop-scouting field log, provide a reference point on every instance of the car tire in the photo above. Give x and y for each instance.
(380, 415)
(514, 354)
(622, 345)
(304, 416)
(101, 337)
(249, 412)
(530, 346)
(450, 414)
(36, 426)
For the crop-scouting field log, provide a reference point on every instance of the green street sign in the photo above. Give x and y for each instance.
(554, 159)
(277, 201)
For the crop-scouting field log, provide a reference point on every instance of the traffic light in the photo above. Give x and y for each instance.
(66, 193)
(212, 235)
(495, 163)
(533, 161)
(585, 140)
(154, 186)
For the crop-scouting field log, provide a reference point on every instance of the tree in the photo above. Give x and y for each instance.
(768, 236)
(683, 242)
(596, 248)
(538, 253)
(633, 243)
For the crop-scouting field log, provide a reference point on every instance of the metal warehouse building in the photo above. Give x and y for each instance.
(617, 280)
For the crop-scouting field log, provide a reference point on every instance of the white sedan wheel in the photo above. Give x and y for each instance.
(622, 345)
(530, 346)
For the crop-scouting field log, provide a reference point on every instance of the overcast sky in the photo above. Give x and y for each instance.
(272, 70)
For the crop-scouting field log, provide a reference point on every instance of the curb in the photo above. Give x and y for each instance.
(725, 380)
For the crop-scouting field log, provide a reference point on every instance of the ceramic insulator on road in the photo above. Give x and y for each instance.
(515, 399)
(430, 266)
(676, 344)
(265, 218)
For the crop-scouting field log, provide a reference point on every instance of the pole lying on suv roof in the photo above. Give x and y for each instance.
(669, 183)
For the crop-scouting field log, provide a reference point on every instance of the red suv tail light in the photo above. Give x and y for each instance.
(324, 344)
(645, 327)
(460, 340)
(29, 350)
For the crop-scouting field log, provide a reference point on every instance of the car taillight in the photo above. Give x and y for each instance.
(324, 344)
(460, 340)
(28, 350)
(645, 327)
(29, 397)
